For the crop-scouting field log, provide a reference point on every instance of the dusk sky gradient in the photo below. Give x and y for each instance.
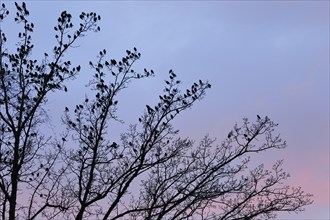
(261, 57)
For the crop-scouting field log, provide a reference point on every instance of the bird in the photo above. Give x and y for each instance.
(150, 110)
(113, 145)
(258, 116)
(113, 62)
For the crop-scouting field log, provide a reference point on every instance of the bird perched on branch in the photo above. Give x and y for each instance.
(150, 110)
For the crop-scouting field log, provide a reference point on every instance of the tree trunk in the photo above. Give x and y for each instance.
(14, 180)
(13, 196)
(80, 213)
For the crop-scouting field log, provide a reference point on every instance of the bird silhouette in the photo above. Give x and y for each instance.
(149, 109)
(113, 145)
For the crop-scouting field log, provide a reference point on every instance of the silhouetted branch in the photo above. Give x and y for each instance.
(24, 85)
(150, 173)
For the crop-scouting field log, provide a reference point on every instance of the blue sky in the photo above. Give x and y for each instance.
(261, 57)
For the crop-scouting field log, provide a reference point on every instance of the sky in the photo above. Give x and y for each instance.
(261, 57)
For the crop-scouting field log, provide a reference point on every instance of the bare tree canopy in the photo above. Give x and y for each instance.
(150, 173)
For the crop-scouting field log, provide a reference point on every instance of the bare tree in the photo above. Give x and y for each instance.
(103, 169)
(214, 181)
(176, 178)
(150, 172)
(26, 155)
